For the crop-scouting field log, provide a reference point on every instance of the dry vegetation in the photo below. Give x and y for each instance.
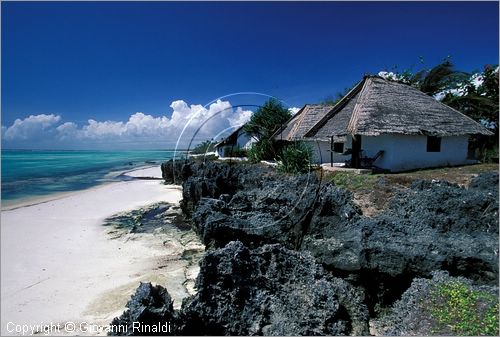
(372, 192)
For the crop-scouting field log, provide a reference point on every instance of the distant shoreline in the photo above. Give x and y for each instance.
(12, 204)
(52, 150)
(30, 177)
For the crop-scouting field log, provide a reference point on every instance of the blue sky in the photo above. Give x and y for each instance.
(68, 63)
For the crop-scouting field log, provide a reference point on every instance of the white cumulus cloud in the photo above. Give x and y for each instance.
(33, 127)
(67, 130)
(140, 130)
(240, 117)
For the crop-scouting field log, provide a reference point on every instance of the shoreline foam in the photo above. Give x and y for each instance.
(136, 173)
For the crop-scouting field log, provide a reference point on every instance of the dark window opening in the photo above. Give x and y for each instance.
(433, 144)
(338, 147)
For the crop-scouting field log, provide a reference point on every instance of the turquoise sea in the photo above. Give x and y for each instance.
(28, 174)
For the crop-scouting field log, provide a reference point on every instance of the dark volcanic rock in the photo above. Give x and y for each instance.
(275, 211)
(485, 181)
(434, 225)
(149, 306)
(431, 226)
(172, 171)
(257, 205)
(212, 180)
(272, 291)
(334, 236)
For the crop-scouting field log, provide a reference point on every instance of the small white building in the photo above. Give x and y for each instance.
(387, 125)
(237, 140)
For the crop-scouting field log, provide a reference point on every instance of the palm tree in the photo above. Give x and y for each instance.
(437, 79)
(479, 103)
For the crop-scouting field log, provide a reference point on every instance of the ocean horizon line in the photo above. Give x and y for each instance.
(30, 172)
(90, 150)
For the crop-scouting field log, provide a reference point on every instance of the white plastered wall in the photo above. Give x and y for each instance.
(322, 152)
(407, 152)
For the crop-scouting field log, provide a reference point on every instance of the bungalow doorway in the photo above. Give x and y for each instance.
(356, 151)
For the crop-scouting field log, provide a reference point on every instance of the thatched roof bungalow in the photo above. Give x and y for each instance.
(303, 121)
(237, 140)
(392, 126)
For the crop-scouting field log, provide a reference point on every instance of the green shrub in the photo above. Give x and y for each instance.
(455, 305)
(262, 150)
(489, 155)
(234, 152)
(252, 154)
(296, 158)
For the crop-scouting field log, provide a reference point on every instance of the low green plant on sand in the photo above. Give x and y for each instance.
(457, 307)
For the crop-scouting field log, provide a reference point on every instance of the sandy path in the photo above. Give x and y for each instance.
(59, 265)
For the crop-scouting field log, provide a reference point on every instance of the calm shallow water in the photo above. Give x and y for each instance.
(28, 174)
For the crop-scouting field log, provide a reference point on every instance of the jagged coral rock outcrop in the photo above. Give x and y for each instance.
(433, 225)
(268, 290)
(149, 306)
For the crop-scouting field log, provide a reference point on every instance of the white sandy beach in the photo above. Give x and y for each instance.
(59, 265)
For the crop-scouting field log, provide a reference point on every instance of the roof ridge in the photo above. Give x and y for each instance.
(283, 126)
(335, 108)
(297, 124)
(352, 125)
(223, 140)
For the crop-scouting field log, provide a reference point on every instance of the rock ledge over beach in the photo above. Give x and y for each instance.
(307, 261)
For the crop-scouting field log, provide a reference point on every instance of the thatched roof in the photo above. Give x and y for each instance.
(231, 139)
(378, 106)
(302, 122)
(335, 122)
(284, 131)
(390, 107)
